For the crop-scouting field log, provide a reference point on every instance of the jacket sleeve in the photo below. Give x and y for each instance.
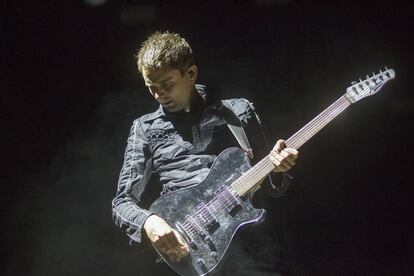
(276, 184)
(133, 178)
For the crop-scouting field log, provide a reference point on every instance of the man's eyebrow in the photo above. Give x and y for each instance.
(162, 81)
(166, 80)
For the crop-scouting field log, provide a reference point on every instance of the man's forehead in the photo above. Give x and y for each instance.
(154, 76)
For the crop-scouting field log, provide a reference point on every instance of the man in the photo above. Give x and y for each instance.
(175, 146)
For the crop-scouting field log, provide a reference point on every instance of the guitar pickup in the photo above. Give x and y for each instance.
(227, 200)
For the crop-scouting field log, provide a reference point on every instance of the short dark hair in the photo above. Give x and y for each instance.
(165, 49)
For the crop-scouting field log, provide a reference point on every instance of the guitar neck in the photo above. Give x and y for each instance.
(252, 177)
(314, 126)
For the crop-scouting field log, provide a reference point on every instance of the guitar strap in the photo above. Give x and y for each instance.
(234, 124)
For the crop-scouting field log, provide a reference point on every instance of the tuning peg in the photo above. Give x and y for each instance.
(373, 74)
(360, 80)
(353, 82)
(380, 71)
(386, 68)
(367, 76)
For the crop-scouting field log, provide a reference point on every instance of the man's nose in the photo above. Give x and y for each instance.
(159, 94)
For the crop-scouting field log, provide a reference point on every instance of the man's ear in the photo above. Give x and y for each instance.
(192, 72)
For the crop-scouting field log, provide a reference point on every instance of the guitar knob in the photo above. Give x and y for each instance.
(201, 263)
(210, 243)
(214, 255)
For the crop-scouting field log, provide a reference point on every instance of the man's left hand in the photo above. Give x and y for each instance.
(283, 157)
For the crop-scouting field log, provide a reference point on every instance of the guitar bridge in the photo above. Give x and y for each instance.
(205, 217)
(188, 232)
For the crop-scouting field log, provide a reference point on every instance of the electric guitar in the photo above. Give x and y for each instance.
(208, 215)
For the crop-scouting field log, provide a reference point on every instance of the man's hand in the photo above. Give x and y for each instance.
(165, 239)
(282, 157)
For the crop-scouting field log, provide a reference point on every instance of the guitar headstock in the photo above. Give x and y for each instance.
(369, 86)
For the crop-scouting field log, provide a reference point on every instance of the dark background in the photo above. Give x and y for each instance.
(70, 90)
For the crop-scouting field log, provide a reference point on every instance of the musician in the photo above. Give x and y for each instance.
(175, 146)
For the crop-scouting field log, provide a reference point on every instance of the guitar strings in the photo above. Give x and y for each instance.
(344, 104)
(320, 121)
(253, 175)
(212, 203)
(314, 124)
(311, 125)
(317, 123)
(304, 134)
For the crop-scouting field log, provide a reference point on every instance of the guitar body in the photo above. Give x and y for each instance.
(207, 215)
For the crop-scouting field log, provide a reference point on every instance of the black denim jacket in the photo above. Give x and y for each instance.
(178, 149)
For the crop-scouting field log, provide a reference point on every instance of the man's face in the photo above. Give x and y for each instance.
(170, 87)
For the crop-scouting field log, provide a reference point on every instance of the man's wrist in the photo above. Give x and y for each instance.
(148, 222)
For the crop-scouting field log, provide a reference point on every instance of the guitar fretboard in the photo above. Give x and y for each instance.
(250, 179)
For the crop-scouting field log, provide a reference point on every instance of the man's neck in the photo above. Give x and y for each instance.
(194, 98)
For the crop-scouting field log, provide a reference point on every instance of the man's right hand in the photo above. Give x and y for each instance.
(165, 238)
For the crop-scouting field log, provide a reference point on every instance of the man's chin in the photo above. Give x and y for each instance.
(172, 108)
